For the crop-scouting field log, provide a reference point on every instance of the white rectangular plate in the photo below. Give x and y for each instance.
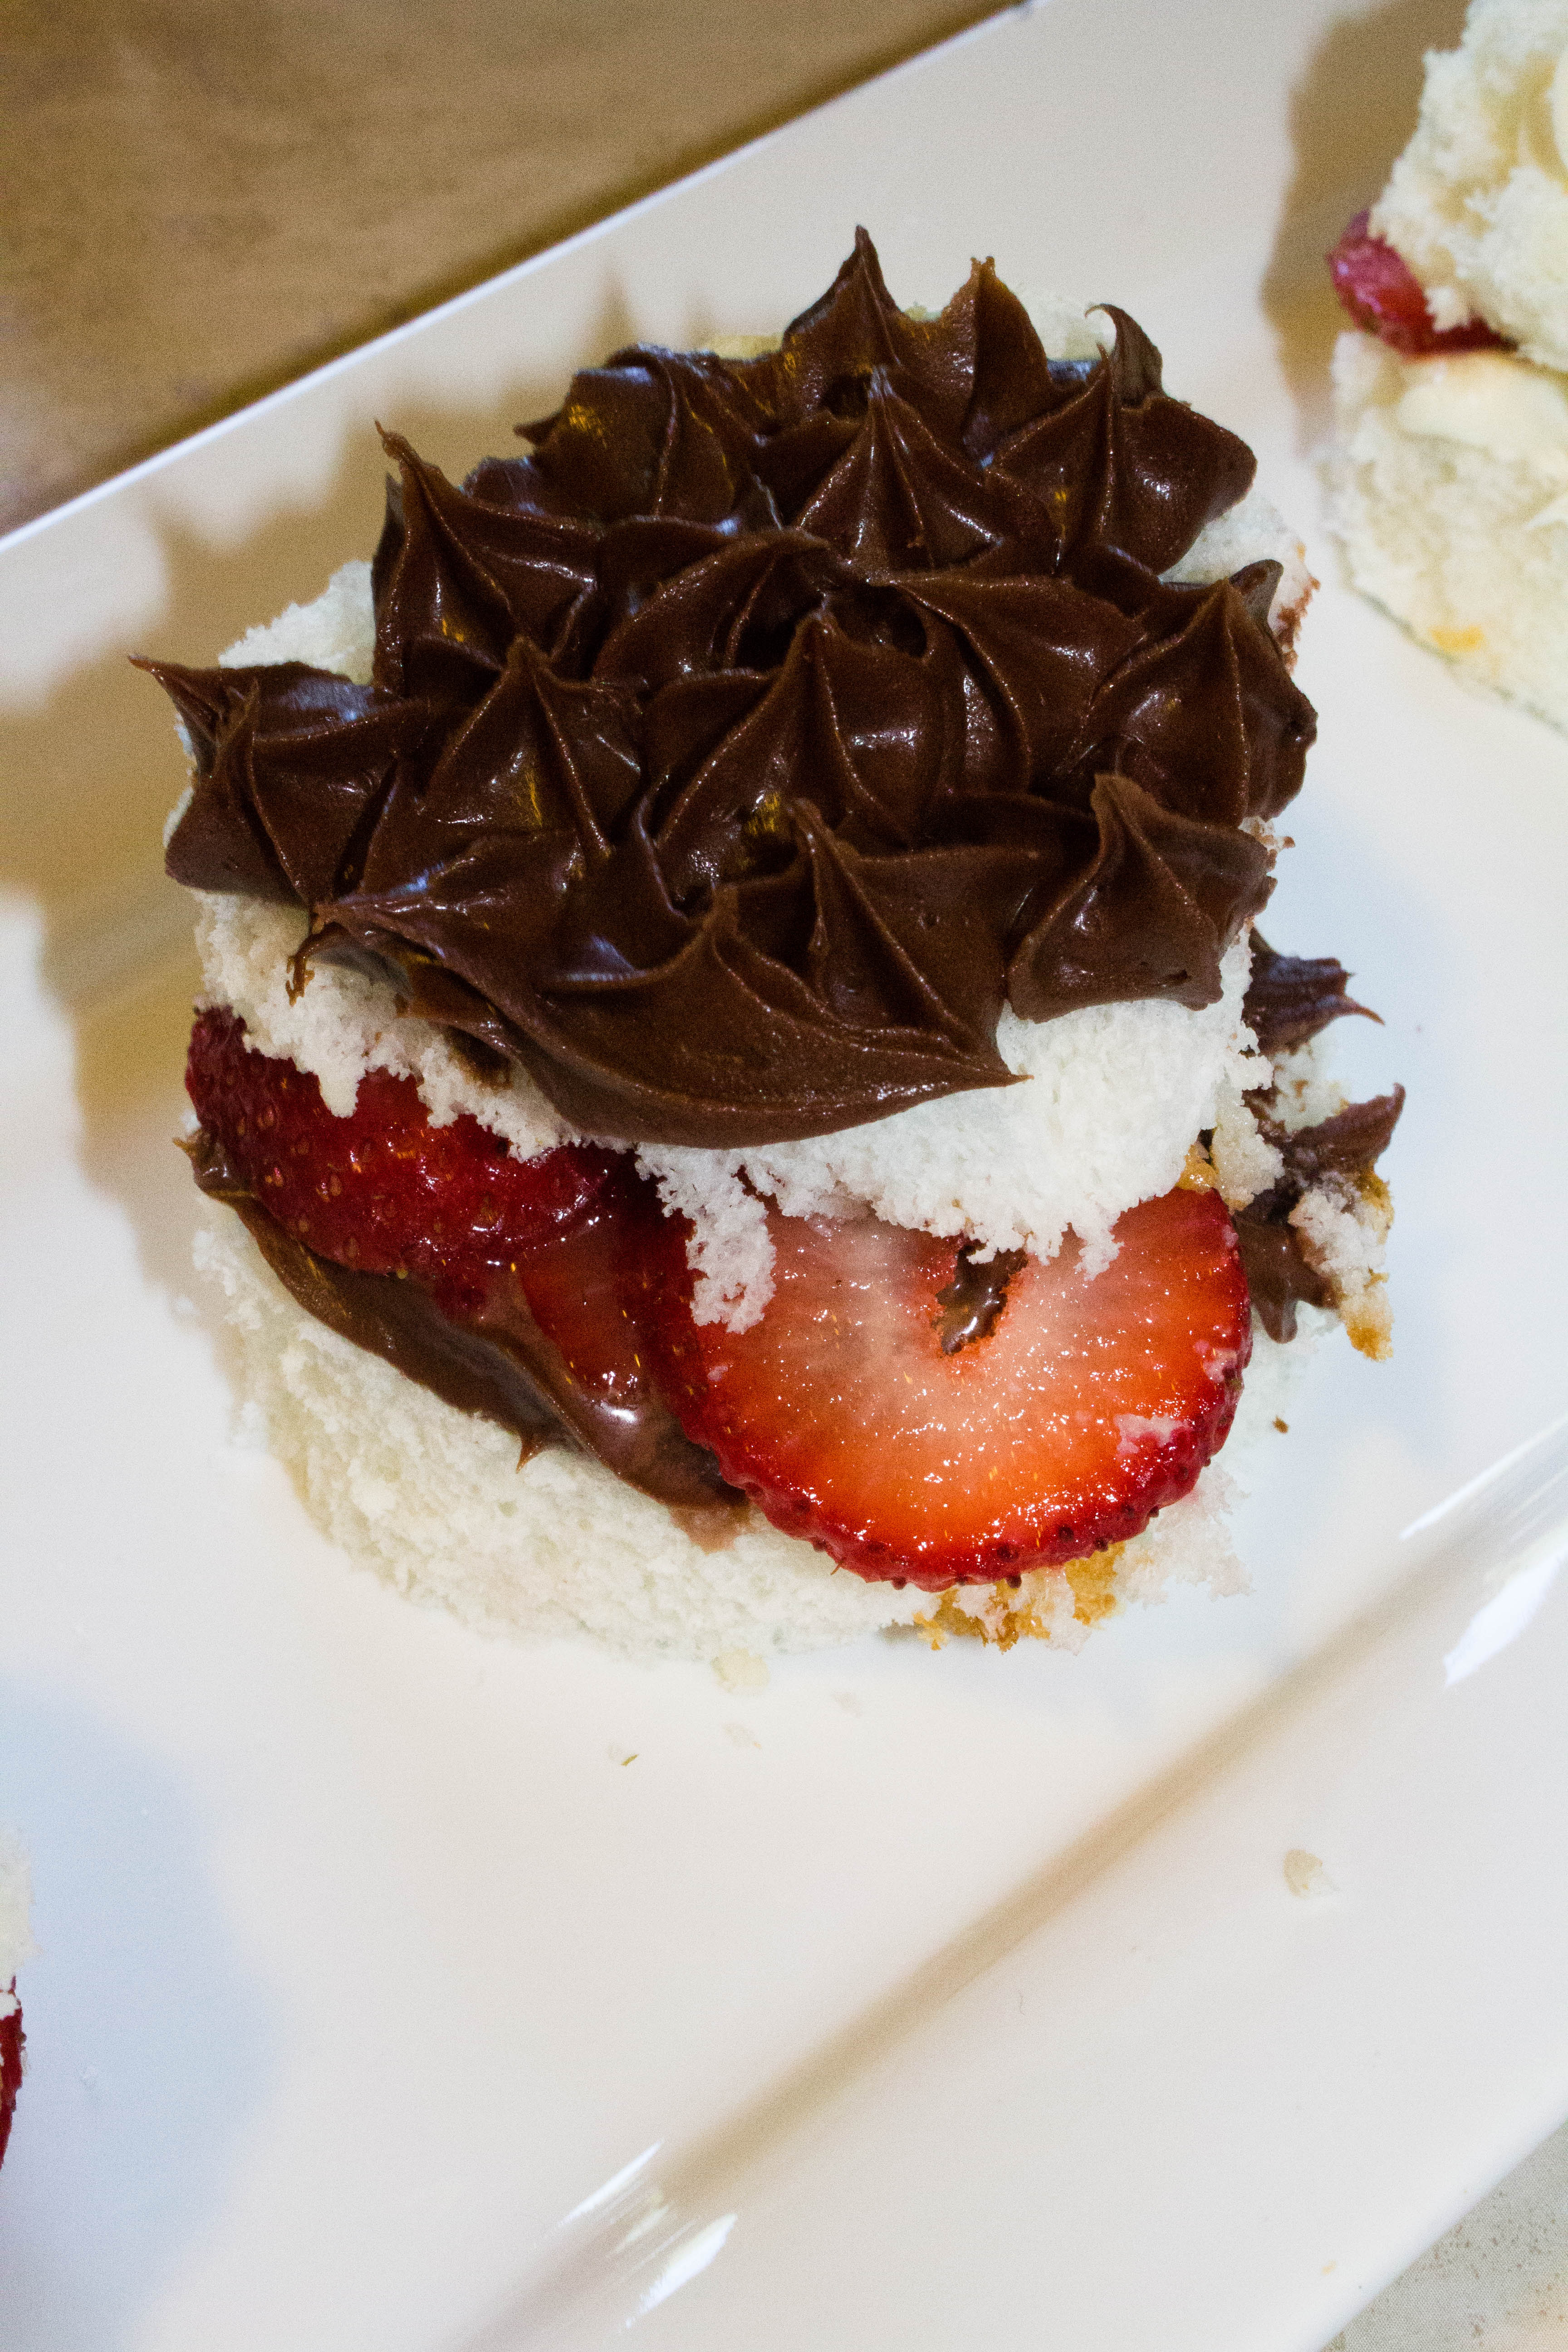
(371, 1950)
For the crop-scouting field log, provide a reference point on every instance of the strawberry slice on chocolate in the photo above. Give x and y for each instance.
(925, 1426)
(488, 1279)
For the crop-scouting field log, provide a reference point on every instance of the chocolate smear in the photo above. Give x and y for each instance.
(498, 1364)
(973, 1301)
(1347, 1146)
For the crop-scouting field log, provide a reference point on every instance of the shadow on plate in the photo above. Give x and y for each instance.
(1350, 116)
(150, 2047)
(94, 766)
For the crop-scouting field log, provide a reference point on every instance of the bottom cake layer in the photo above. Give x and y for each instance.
(436, 1500)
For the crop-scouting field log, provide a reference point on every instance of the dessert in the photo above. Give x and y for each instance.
(15, 1945)
(725, 959)
(1450, 481)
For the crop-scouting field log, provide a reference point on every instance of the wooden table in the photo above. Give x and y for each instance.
(204, 198)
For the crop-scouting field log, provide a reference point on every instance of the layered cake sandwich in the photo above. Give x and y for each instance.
(1451, 482)
(741, 1099)
(15, 1945)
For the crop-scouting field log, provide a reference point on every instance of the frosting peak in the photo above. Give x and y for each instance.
(734, 756)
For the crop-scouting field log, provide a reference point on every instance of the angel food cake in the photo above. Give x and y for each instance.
(1450, 488)
(732, 1027)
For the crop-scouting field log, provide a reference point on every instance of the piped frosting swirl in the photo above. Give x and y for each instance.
(730, 760)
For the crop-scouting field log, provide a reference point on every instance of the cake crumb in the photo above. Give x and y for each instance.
(1305, 1874)
(739, 1737)
(1198, 1174)
(1343, 1227)
(1245, 1162)
(1044, 1605)
(741, 1669)
(1093, 1582)
(712, 1527)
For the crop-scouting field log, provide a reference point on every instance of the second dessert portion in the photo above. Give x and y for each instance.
(726, 955)
(1450, 484)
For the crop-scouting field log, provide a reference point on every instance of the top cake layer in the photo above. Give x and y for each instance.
(732, 762)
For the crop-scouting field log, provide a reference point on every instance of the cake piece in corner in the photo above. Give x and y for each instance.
(1449, 478)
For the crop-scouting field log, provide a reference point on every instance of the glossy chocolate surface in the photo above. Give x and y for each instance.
(973, 1301)
(732, 759)
(1290, 998)
(497, 1362)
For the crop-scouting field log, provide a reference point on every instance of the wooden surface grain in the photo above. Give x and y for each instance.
(204, 198)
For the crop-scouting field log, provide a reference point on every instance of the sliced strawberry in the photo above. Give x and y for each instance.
(1086, 1406)
(13, 2042)
(1382, 294)
(523, 1254)
(382, 1190)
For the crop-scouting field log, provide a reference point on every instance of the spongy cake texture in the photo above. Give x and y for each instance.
(1112, 1099)
(1478, 203)
(1455, 523)
(1449, 485)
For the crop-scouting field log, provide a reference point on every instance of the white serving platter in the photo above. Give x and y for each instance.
(962, 1999)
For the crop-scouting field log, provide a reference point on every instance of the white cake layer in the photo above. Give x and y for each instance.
(1252, 531)
(436, 1501)
(1478, 203)
(1114, 1098)
(17, 1943)
(343, 1024)
(1450, 491)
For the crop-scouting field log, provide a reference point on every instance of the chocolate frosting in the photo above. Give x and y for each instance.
(1348, 1145)
(1279, 1277)
(734, 757)
(1290, 998)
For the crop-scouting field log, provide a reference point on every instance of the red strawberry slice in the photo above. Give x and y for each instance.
(383, 1190)
(1088, 1406)
(13, 2042)
(523, 1254)
(1382, 294)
